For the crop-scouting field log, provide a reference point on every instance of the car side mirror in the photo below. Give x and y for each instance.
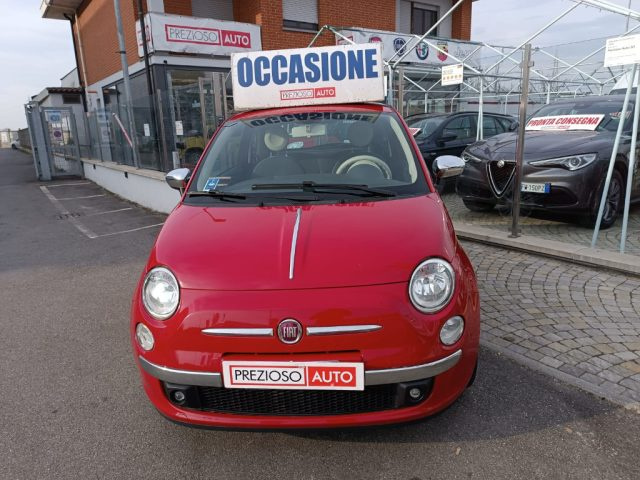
(178, 178)
(445, 138)
(448, 166)
(514, 126)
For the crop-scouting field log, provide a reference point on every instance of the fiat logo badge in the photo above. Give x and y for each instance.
(289, 331)
(500, 163)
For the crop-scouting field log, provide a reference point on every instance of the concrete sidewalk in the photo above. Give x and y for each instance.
(551, 235)
(580, 324)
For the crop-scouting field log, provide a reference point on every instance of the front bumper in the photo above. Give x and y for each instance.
(371, 377)
(571, 191)
(405, 349)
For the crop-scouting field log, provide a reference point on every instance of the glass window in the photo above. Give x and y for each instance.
(489, 126)
(422, 19)
(459, 128)
(300, 14)
(333, 147)
(427, 126)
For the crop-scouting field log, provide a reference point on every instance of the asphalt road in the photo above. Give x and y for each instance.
(71, 403)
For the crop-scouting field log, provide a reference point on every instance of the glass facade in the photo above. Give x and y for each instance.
(186, 108)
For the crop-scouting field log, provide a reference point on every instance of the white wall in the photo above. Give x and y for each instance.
(403, 15)
(145, 188)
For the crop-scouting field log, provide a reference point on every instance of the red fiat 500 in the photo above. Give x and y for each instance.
(310, 277)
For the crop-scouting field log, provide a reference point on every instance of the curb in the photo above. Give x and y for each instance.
(593, 257)
(628, 404)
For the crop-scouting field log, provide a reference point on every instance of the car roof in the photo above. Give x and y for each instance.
(334, 107)
(434, 115)
(590, 99)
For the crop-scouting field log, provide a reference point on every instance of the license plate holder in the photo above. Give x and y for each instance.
(293, 375)
(535, 187)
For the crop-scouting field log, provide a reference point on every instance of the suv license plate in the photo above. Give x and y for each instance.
(536, 187)
(293, 375)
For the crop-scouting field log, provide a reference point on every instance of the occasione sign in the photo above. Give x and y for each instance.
(206, 36)
(307, 76)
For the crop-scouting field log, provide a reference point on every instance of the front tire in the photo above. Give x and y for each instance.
(613, 203)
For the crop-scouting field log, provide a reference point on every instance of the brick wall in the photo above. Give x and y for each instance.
(380, 15)
(97, 26)
(461, 21)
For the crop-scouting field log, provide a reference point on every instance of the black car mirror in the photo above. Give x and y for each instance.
(178, 178)
(514, 126)
(448, 166)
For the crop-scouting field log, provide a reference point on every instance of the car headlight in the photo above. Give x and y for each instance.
(467, 157)
(432, 284)
(160, 293)
(573, 162)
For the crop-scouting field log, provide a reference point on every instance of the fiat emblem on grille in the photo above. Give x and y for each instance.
(289, 331)
(500, 163)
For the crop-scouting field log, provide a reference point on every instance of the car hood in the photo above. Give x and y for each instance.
(541, 145)
(248, 247)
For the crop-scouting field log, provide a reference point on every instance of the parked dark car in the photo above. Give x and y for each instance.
(450, 133)
(563, 171)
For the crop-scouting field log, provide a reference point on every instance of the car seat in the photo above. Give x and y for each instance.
(277, 163)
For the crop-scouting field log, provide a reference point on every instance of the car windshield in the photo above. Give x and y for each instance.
(309, 156)
(426, 125)
(612, 110)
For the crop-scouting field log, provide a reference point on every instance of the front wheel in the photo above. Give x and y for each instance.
(613, 203)
(475, 206)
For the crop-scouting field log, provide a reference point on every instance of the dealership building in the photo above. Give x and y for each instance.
(181, 90)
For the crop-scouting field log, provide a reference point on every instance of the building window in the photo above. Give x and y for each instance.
(300, 15)
(423, 17)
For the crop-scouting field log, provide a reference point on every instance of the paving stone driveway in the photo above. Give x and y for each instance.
(579, 321)
(549, 227)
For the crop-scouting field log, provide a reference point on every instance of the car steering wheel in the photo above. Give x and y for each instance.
(349, 163)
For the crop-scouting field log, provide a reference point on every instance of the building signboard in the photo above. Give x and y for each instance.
(417, 52)
(205, 36)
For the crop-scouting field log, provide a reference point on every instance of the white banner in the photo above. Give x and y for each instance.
(307, 76)
(565, 122)
(622, 51)
(452, 75)
(205, 36)
(418, 52)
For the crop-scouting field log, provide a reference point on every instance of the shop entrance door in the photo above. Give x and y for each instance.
(198, 108)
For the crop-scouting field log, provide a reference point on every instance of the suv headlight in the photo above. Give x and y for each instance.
(467, 157)
(432, 284)
(160, 293)
(573, 162)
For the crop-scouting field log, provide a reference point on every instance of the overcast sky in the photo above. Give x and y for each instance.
(36, 53)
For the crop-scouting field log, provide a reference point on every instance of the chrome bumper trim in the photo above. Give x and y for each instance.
(338, 329)
(371, 377)
(182, 377)
(239, 332)
(408, 374)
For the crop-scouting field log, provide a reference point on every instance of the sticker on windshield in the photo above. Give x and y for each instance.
(214, 182)
(414, 131)
(565, 122)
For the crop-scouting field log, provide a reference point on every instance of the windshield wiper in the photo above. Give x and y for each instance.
(348, 188)
(237, 196)
(217, 194)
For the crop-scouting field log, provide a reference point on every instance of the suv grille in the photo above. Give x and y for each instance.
(500, 177)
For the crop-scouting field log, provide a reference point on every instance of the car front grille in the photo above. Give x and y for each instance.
(298, 402)
(500, 176)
